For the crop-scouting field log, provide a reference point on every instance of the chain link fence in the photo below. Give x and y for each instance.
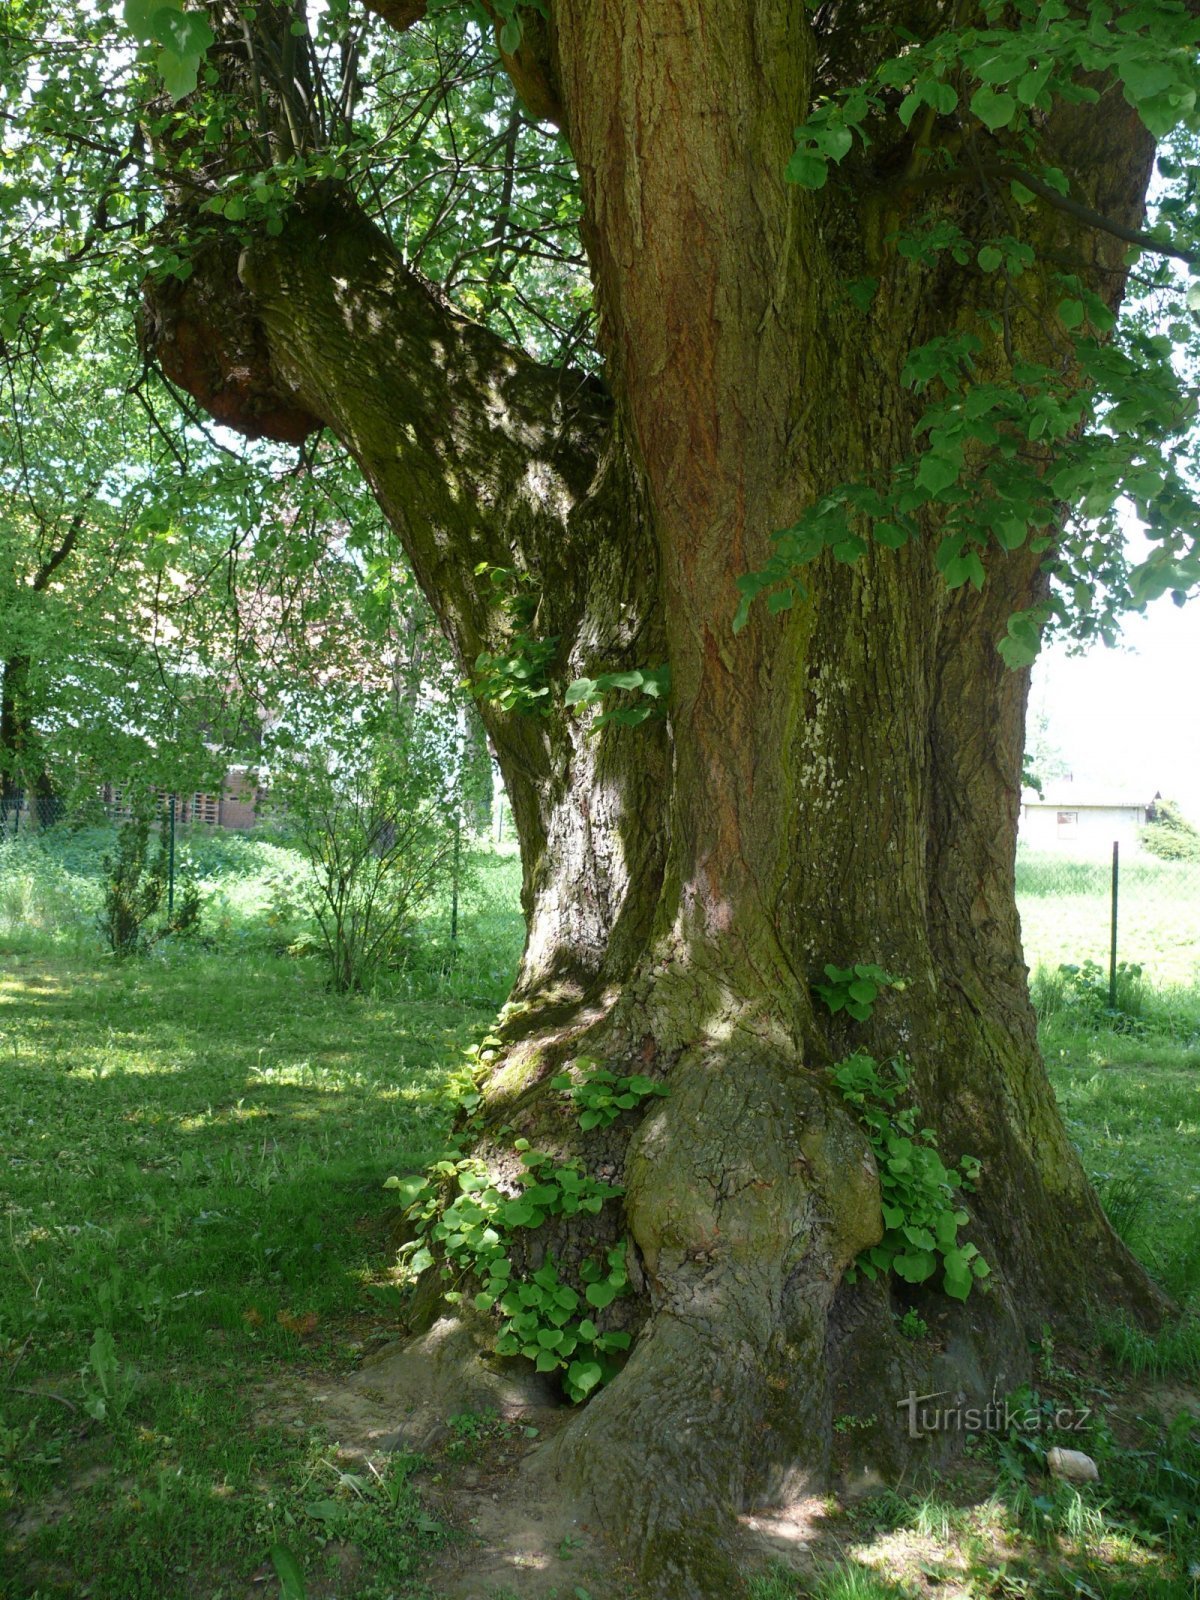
(1125, 909)
(234, 844)
(21, 812)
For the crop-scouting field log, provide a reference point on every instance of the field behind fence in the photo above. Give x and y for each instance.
(1066, 907)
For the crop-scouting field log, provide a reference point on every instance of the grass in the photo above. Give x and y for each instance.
(193, 1147)
(1065, 911)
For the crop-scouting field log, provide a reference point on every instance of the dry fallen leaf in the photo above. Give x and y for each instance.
(304, 1327)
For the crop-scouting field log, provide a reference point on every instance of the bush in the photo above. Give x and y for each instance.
(1084, 989)
(368, 805)
(135, 887)
(1170, 836)
(40, 893)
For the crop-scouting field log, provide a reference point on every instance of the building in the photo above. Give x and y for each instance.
(1076, 821)
(235, 807)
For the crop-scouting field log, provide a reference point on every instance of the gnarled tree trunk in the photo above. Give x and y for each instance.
(837, 784)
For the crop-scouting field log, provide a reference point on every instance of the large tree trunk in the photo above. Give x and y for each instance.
(837, 784)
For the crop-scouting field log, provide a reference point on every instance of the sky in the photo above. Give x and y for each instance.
(1128, 719)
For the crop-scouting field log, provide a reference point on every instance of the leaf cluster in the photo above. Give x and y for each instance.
(544, 1318)
(653, 683)
(1044, 418)
(856, 988)
(602, 1096)
(922, 1214)
(515, 678)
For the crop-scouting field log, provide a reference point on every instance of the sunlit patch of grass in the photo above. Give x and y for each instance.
(1137, 1126)
(847, 1580)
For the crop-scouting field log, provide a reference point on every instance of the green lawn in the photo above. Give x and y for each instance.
(192, 1221)
(191, 1207)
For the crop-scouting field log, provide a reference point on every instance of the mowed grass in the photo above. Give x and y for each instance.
(192, 1153)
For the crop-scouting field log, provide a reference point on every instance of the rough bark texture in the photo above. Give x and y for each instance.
(838, 784)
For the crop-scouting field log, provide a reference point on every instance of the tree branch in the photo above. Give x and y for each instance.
(1089, 217)
(60, 553)
(1060, 202)
(476, 453)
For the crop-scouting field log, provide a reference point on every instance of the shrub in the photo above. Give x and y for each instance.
(1169, 835)
(367, 804)
(135, 889)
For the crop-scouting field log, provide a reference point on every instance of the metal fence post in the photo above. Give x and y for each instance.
(171, 864)
(454, 879)
(1112, 947)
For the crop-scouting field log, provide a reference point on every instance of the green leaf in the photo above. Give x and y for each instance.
(889, 534)
(139, 15)
(835, 142)
(600, 1294)
(915, 1265)
(1145, 77)
(287, 1570)
(807, 169)
(958, 1277)
(862, 292)
(187, 33)
(993, 108)
(580, 693)
(938, 471)
(178, 73)
(991, 259)
(583, 1376)
(409, 1188)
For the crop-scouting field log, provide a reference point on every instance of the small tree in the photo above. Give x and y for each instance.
(1170, 835)
(367, 802)
(136, 882)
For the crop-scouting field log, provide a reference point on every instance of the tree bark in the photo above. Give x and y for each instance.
(837, 784)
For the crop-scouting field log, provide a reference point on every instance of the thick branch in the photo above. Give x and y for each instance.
(398, 14)
(476, 452)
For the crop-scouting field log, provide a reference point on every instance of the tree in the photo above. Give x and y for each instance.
(112, 628)
(858, 385)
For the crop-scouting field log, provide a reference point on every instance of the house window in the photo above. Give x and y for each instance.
(1068, 824)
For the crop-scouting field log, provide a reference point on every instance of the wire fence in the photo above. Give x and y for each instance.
(20, 812)
(235, 846)
(1125, 909)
